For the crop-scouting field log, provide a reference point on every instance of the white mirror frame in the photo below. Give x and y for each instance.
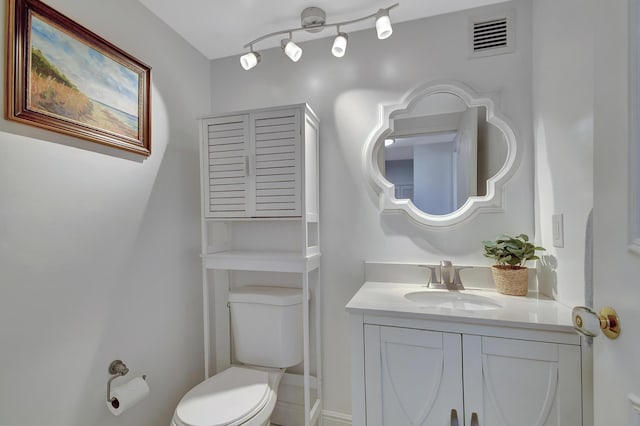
(491, 202)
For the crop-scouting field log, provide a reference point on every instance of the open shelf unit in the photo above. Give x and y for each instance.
(260, 224)
(277, 261)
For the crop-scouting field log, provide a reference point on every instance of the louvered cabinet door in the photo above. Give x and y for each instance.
(277, 163)
(226, 179)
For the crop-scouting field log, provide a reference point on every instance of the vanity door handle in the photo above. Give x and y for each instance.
(474, 419)
(454, 418)
(247, 170)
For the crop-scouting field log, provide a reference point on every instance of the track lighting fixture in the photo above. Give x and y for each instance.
(340, 44)
(313, 20)
(383, 24)
(292, 50)
(249, 60)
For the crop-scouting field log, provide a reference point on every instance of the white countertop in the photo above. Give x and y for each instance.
(532, 311)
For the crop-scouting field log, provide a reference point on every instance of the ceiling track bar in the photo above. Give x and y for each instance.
(317, 27)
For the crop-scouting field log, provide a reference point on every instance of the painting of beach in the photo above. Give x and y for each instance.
(74, 81)
(64, 78)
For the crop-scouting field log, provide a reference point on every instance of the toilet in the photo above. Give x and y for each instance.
(266, 329)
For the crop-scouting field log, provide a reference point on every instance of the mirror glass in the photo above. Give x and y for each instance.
(440, 152)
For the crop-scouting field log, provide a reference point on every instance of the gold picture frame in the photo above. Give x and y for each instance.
(64, 78)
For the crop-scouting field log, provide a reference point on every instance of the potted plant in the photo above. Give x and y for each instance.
(510, 255)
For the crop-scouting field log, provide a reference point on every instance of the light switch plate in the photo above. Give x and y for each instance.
(558, 230)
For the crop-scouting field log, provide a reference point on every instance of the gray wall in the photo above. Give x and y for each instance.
(345, 94)
(433, 180)
(492, 151)
(563, 105)
(99, 251)
(399, 172)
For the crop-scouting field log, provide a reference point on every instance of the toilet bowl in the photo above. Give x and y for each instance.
(267, 339)
(240, 395)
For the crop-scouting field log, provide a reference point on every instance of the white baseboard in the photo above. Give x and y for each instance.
(287, 414)
(332, 418)
(289, 409)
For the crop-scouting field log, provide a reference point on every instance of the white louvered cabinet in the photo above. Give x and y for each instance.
(260, 224)
(254, 164)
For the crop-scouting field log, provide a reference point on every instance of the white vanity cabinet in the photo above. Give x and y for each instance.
(423, 377)
(517, 362)
(252, 163)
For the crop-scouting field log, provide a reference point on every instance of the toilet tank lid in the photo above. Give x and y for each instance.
(266, 295)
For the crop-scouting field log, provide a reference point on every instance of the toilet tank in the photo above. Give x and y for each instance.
(266, 325)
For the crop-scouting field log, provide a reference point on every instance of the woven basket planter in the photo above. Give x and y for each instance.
(514, 282)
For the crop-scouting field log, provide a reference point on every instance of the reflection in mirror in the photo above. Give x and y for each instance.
(440, 152)
(448, 154)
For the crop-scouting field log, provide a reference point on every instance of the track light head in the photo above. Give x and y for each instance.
(249, 60)
(383, 24)
(340, 45)
(292, 50)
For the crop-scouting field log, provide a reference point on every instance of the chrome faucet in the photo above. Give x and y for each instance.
(457, 280)
(446, 273)
(432, 279)
(444, 276)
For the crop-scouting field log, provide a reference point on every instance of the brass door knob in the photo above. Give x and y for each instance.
(589, 323)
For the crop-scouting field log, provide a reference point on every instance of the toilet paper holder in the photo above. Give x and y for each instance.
(118, 369)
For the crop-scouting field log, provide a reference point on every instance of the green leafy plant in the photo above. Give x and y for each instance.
(511, 252)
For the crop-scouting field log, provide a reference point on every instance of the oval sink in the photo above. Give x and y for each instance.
(453, 300)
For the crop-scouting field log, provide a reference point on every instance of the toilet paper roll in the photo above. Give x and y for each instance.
(127, 395)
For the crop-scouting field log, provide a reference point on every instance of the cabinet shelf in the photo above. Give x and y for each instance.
(270, 261)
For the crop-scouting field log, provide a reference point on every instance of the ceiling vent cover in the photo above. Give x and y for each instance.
(491, 36)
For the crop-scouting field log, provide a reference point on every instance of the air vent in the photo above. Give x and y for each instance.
(491, 36)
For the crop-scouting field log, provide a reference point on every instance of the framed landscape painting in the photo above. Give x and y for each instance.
(64, 78)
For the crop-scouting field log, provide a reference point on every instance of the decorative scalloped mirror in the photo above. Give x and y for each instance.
(441, 155)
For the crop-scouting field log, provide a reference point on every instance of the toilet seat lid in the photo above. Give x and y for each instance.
(228, 398)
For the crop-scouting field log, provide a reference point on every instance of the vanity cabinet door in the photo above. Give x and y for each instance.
(516, 382)
(413, 377)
